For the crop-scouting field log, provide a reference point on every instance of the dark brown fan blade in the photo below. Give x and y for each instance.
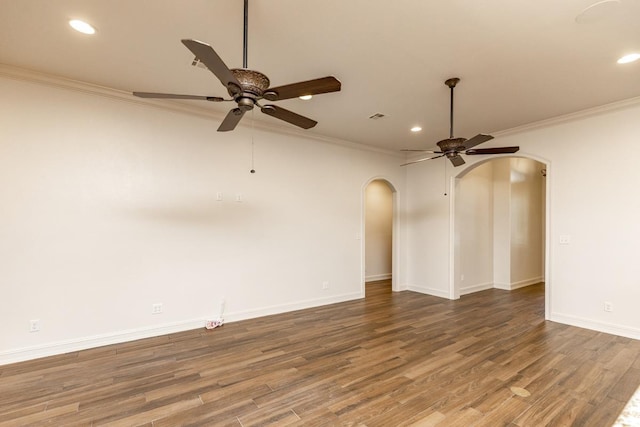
(457, 160)
(478, 139)
(310, 87)
(174, 96)
(422, 151)
(231, 120)
(210, 58)
(497, 150)
(289, 116)
(422, 160)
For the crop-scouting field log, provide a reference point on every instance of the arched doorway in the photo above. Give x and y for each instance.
(499, 232)
(380, 234)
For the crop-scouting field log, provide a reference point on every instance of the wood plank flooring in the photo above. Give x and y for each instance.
(392, 359)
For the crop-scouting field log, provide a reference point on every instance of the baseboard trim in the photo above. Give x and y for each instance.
(84, 343)
(608, 328)
(376, 277)
(476, 288)
(118, 337)
(518, 285)
(285, 308)
(429, 291)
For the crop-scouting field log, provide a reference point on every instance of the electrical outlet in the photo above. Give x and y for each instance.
(156, 308)
(462, 277)
(34, 325)
(325, 285)
(608, 307)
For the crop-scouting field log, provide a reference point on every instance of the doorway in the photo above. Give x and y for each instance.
(499, 232)
(379, 236)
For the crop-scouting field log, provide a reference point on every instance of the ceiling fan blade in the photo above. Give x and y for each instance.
(422, 151)
(457, 160)
(422, 160)
(174, 96)
(214, 63)
(231, 120)
(289, 116)
(478, 139)
(310, 87)
(497, 150)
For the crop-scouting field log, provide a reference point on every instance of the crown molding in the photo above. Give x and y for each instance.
(22, 74)
(578, 115)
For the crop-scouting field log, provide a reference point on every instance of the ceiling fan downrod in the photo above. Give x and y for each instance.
(452, 82)
(246, 34)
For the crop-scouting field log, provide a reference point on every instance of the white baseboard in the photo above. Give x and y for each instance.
(403, 287)
(284, 308)
(84, 343)
(429, 291)
(608, 328)
(377, 277)
(517, 285)
(476, 288)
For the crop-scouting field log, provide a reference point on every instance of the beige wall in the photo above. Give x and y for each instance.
(590, 200)
(109, 205)
(378, 230)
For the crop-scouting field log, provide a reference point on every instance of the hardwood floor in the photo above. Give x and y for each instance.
(392, 359)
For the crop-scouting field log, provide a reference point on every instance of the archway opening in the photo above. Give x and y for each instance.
(379, 206)
(499, 232)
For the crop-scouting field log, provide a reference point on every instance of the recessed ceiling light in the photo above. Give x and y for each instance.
(306, 97)
(82, 26)
(629, 58)
(416, 129)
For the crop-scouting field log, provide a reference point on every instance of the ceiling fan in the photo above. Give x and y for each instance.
(451, 147)
(247, 87)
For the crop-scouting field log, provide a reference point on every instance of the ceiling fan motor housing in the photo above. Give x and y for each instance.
(451, 145)
(253, 85)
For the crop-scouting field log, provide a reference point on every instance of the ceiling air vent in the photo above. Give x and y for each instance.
(376, 116)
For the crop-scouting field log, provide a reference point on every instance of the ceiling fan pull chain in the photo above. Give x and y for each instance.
(445, 178)
(253, 170)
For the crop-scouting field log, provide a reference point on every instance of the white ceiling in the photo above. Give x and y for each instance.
(519, 61)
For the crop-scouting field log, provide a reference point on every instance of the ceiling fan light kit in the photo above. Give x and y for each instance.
(248, 87)
(451, 148)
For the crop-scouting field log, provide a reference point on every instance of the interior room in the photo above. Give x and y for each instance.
(159, 173)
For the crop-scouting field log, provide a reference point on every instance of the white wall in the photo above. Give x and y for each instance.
(591, 174)
(474, 230)
(109, 206)
(428, 249)
(378, 230)
(526, 223)
(502, 222)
